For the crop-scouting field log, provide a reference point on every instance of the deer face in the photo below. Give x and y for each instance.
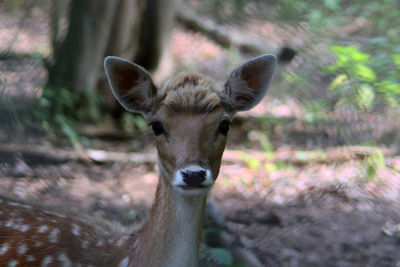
(190, 118)
(190, 147)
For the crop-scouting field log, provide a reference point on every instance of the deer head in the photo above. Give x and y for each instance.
(189, 116)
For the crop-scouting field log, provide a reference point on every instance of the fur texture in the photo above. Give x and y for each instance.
(190, 92)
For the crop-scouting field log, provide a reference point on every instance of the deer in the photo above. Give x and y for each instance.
(190, 118)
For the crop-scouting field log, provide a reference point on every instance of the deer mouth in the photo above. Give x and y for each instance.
(193, 187)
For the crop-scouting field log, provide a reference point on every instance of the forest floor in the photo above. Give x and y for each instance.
(301, 198)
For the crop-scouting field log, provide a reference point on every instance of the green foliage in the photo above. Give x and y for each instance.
(62, 108)
(315, 112)
(252, 162)
(130, 214)
(263, 139)
(15, 4)
(357, 81)
(295, 78)
(67, 128)
(63, 102)
(318, 14)
(15, 118)
(131, 122)
(366, 75)
(222, 256)
(374, 162)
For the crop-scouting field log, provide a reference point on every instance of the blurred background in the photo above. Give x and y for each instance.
(310, 177)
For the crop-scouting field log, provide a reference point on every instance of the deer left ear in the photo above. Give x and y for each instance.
(131, 85)
(248, 83)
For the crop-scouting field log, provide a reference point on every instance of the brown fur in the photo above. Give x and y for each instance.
(190, 92)
(20, 225)
(163, 225)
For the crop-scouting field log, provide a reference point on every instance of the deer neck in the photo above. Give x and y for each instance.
(171, 236)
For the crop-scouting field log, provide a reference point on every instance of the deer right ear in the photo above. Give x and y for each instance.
(248, 83)
(131, 85)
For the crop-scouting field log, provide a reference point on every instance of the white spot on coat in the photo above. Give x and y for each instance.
(100, 243)
(4, 248)
(22, 249)
(121, 241)
(53, 236)
(26, 206)
(9, 223)
(24, 227)
(124, 262)
(46, 261)
(65, 261)
(85, 244)
(12, 263)
(76, 229)
(60, 215)
(30, 258)
(43, 228)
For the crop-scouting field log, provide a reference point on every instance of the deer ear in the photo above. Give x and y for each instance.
(248, 83)
(131, 85)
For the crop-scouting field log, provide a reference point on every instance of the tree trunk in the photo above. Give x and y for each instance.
(121, 43)
(154, 32)
(58, 16)
(141, 32)
(78, 59)
(134, 29)
(123, 30)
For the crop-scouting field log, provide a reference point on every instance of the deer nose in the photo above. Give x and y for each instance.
(193, 178)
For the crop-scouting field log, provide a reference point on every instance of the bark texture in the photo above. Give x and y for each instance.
(78, 59)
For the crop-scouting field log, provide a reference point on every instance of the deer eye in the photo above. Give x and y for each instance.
(224, 127)
(157, 127)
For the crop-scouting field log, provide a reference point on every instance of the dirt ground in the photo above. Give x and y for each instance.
(310, 213)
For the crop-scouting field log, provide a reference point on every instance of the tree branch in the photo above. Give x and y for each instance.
(218, 33)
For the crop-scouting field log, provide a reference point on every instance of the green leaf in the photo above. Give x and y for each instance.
(302, 155)
(359, 57)
(131, 214)
(44, 102)
(339, 82)
(365, 96)
(375, 162)
(315, 17)
(379, 41)
(365, 73)
(252, 162)
(389, 87)
(332, 4)
(396, 60)
(66, 127)
(222, 256)
(349, 53)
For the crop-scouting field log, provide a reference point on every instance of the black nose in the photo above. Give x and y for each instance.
(193, 178)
